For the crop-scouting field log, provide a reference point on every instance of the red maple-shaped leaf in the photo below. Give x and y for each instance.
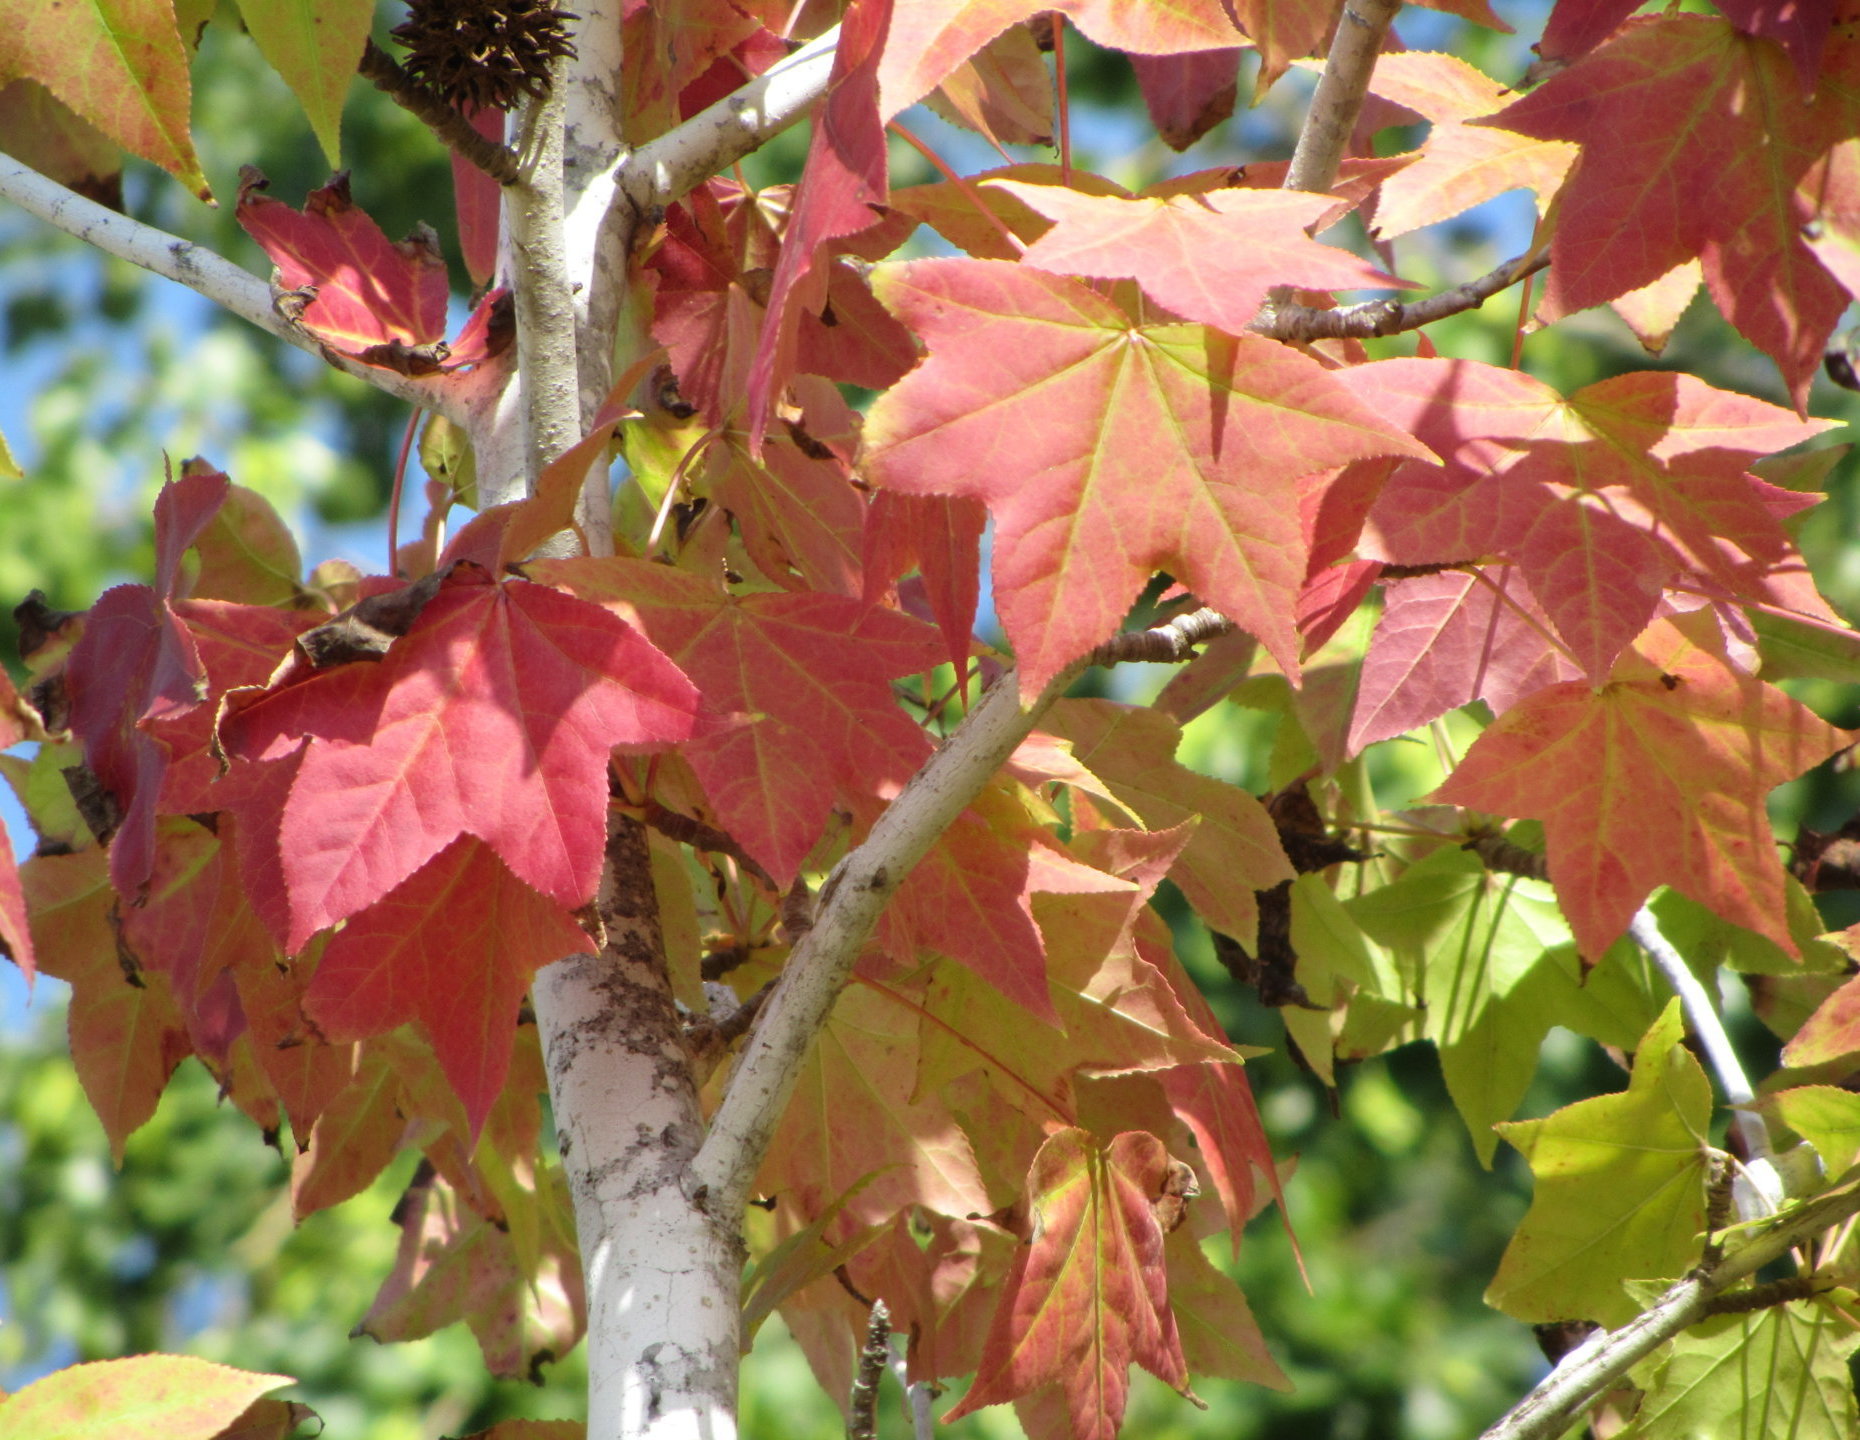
(1657, 777)
(1446, 640)
(930, 38)
(136, 665)
(453, 948)
(810, 673)
(1461, 164)
(843, 183)
(1090, 1296)
(363, 295)
(1106, 450)
(1209, 257)
(941, 537)
(15, 932)
(1188, 95)
(971, 898)
(493, 717)
(1629, 485)
(1694, 139)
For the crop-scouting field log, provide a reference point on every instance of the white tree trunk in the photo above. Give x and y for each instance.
(663, 1274)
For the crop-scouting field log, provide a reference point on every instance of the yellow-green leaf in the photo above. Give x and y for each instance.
(1620, 1190)
(315, 46)
(1778, 1374)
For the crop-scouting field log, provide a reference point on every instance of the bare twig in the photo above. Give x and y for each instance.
(206, 273)
(452, 128)
(1592, 1370)
(1172, 641)
(1392, 317)
(862, 1409)
(699, 836)
(1338, 99)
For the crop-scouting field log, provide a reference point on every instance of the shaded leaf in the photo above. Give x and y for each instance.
(1658, 777)
(1089, 1296)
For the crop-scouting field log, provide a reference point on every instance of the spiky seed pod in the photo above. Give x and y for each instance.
(486, 53)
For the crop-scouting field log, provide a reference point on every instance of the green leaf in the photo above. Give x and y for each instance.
(1493, 962)
(1708, 940)
(246, 554)
(315, 46)
(1777, 1374)
(1794, 649)
(1824, 1115)
(147, 1397)
(1620, 1190)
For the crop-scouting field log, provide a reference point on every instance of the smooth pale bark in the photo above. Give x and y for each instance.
(663, 1274)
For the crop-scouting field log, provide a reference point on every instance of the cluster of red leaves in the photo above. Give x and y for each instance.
(318, 827)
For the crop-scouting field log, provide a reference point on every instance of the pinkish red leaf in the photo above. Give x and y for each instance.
(940, 536)
(1629, 485)
(1656, 777)
(1106, 450)
(136, 663)
(809, 672)
(453, 948)
(1188, 95)
(930, 38)
(478, 199)
(1209, 257)
(1446, 640)
(492, 717)
(15, 932)
(369, 290)
(845, 178)
(1695, 139)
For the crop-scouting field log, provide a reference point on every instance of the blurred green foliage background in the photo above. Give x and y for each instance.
(190, 1247)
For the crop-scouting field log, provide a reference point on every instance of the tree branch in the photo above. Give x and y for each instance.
(856, 893)
(1708, 1029)
(453, 129)
(1592, 1370)
(1338, 99)
(680, 160)
(547, 375)
(211, 275)
(1391, 317)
